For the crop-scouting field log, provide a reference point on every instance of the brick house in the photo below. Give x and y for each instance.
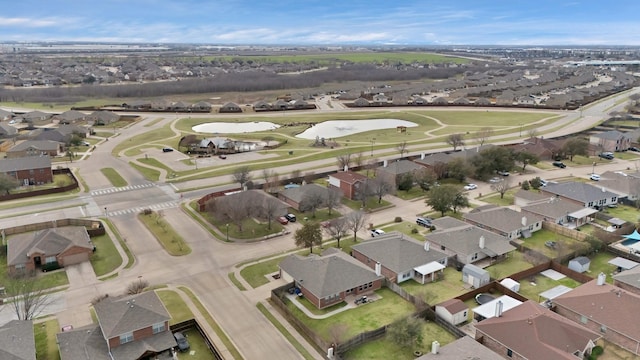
(610, 141)
(35, 148)
(605, 309)
(66, 246)
(129, 327)
(400, 258)
(506, 222)
(583, 194)
(348, 182)
(295, 196)
(28, 170)
(328, 279)
(548, 335)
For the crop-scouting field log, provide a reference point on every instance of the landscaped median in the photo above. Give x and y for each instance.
(170, 240)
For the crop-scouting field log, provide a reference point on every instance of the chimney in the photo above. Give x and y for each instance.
(346, 168)
(385, 163)
(426, 246)
(435, 347)
(481, 244)
(601, 279)
(524, 221)
(422, 156)
(499, 308)
(378, 269)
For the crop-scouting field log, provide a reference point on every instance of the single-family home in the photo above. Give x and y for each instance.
(626, 185)
(505, 222)
(560, 211)
(65, 246)
(5, 115)
(36, 148)
(296, 197)
(328, 279)
(216, 145)
(37, 118)
(70, 117)
(361, 102)
(103, 117)
(7, 131)
(380, 99)
(525, 197)
(548, 335)
(392, 172)
(613, 140)
(129, 327)
(201, 106)
(583, 194)
(350, 183)
(30, 170)
(17, 340)
(628, 280)
(454, 311)
(230, 108)
(261, 105)
(463, 348)
(468, 243)
(605, 309)
(400, 258)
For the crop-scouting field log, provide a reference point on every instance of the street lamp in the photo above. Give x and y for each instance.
(373, 141)
(521, 125)
(593, 168)
(105, 211)
(227, 225)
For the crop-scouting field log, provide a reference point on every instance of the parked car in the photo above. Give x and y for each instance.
(595, 177)
(376, 232)
(422, 221)
(291, 217)
(606, 155)
(494, 180)
(282, 220)
(633, 148)
(543, 182)
(222, 156)
(85, 143)
(167, 149)
(559, 164)
(183, 344)
(470, 187)
(503, 173)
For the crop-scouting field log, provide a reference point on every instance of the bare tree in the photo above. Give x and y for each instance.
(30, 298)
(343, 161)
(363, 192)
(482, 135)
(311, 201)
(270, 210)
(402, 148)
(333, 199)
(337, 228)
(137, 286)
(241, 175)
(359, 159)
(531, 133)
(233, 208)
(356, 220)
(380, 187)
(501, 186)
(455, 140)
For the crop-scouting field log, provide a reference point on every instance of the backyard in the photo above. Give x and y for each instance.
(436, 292)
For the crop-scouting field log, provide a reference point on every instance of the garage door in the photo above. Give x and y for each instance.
(75, 259)
(470, 280)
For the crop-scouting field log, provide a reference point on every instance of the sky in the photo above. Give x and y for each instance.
(329, 22)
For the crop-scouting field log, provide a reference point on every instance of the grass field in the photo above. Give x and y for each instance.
(45, 339)
(177, 309)
(114, 178)
(170, 240)
(106, 257)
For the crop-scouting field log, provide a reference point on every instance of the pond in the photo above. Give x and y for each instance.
(234, 127)
(339, 128)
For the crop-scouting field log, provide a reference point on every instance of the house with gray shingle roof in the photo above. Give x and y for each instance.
(7, 131)
(613, 140)
(627, 186)
(66, 246)
(468, 243)
(5, 115)
(36, 148)
(129, 327)
(103, 117)
(70, 117)
(583, 194)
(401, 258)
(328, 279)
(391, 171)
(230, 107)
(606, 309)
(548, 335)
(32, 170)
(464, 348)
(17, 341)
(506, 222)
(628, 280)
(560, 211)
(295, 196)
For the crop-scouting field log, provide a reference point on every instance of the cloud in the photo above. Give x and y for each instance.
(26, 22)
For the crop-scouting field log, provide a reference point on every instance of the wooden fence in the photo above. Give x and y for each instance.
(94, 227)
(55, 190)
(561, 230)
(191, 324)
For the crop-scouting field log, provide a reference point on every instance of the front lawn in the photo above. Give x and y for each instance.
(413, 193)
(406, 228)
(506, 200)
(370, 205)
(252, 229)
(367, 317)
(106, 258)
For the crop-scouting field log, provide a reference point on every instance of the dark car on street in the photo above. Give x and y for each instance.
(559, 164)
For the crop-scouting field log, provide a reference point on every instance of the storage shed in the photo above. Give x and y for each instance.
(454, 311)
(580, 264)
(510, 284)
(475, 276)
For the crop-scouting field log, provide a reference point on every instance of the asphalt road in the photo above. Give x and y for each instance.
(205, 269)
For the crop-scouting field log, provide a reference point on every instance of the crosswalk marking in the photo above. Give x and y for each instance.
(136, 210)
(120, 189)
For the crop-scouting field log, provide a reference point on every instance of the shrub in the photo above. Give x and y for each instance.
(414, 231)
(137, 287)
(525, 185)
(398, 219)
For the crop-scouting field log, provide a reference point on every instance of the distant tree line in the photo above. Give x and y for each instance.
(247, 81)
